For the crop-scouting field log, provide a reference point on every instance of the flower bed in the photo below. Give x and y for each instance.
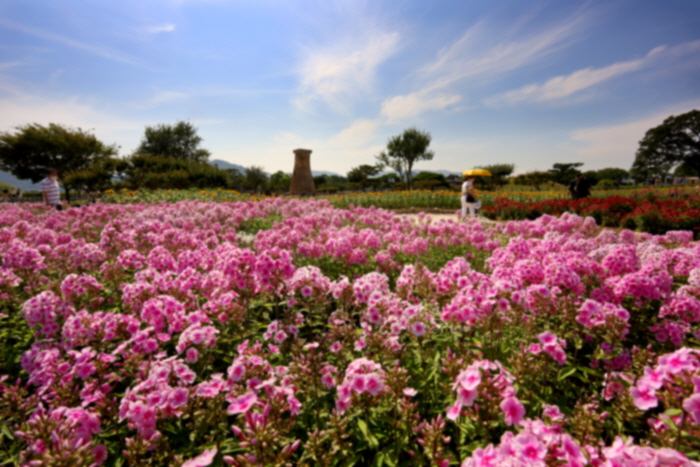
(292, 332)
(649, 213)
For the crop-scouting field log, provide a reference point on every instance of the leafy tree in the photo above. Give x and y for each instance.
(613, 174)
(563, 173)
(29, 152)
(676, 142)
(236, 179)
(255, 179)
(280, 181)
(534, 179)
(362, 174)
(179, 141)
(499, 174)
(171, 173)
(102, 174)
(404, 150)
(430, 180)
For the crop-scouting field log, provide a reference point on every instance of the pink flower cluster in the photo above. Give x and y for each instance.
(362, 376)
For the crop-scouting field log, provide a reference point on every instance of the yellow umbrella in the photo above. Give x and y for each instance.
(476, 173)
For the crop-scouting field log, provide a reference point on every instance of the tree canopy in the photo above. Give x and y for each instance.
(498, 178)
(404, 150)
(179, 141)
(673, 144)
(562, 173)
(362, 173)
(34, 148)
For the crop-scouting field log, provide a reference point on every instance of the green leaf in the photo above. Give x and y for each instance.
(673, 412)
(371, 440)
(566, 372)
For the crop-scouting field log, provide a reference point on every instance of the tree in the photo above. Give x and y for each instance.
(179, 141)
(280, 181)
(674, 143)
(610, 173)
(535, 179)
(146, 171)
(498, 178)
(33, 149)
(430, 180)
(255, 179)
(362, 173)
(404, 151)
(563, 173)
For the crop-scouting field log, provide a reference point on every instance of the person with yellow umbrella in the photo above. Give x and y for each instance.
(468, 198)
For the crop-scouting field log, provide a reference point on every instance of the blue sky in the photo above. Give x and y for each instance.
(511, 81)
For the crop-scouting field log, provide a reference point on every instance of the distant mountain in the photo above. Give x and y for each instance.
(316, 173)
(24, 185)
(223, 165)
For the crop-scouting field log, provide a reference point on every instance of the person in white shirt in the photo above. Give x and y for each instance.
(51, 190)
(468, 198)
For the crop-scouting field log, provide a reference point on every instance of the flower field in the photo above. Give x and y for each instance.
(293, 332)
(649, 213)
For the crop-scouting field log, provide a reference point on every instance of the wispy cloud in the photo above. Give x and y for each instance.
(104, 52)
(475, 58)
(476, 54)
(400, 108)
(561, 87)
(160, 28)
(334, 74)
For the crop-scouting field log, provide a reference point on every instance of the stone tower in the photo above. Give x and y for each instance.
(302, 180)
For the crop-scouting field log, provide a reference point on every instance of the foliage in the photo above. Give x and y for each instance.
(290, 332)
(179, 141)
(653, 215)
(256, 179)
(362, 175)
(280, 182)
(404, 150)
(152, 172)
(499, 176)
(563, 173)
(34, 148)
(676, 142)
(534, 179)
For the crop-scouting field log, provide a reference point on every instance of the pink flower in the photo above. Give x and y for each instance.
(202, 460)
(418, 328)
(469, 378)
(644, 396)
(373, 384)
(99, 452)
(242, 404)
(84, 370)
(454, 410)
(306, 291)
(692, 406)
(178, 397)
(513, 410)
(191, 355)
(358, 384)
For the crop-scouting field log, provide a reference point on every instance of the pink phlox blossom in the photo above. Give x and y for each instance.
(202, 460)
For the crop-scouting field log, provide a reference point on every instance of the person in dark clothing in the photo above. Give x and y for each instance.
(580, 187)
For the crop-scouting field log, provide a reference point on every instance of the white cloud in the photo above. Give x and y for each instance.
(160, 28)
(616, 145)
(166, 97)
(332, 75)
(564, 86)
(409, 106)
